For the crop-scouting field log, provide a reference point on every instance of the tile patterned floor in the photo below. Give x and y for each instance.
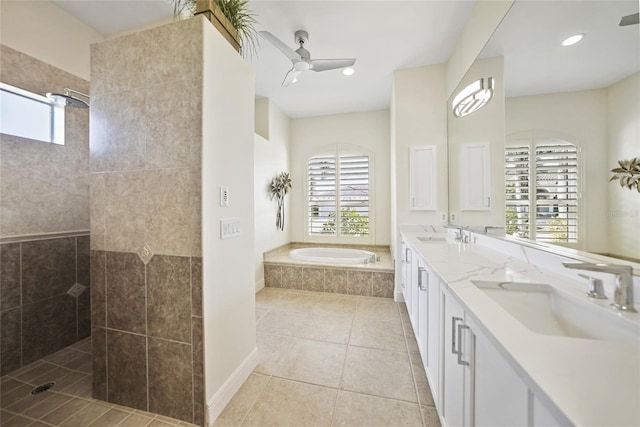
(325, 360)
(69, 402)
(332, 360)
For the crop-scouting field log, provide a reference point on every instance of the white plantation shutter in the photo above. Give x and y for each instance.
(542, 191)
(517, 203)
(556, 192)
(354, 195)
(321, 175)
(338, 195)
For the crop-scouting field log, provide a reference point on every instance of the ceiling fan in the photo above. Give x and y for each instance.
(629, 20)
(301, 58)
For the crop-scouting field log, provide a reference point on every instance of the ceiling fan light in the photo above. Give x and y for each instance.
(348, 71)
(570, 41)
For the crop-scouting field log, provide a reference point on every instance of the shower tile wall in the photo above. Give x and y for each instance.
(146, 268)
(37, 316)
(44, 190)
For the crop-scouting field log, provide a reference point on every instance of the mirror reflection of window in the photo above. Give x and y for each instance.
(542, 190)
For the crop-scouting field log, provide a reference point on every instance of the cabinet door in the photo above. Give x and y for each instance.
(423, 310)
(413, 310)
(475, 177)
(407, 277)
(454, 372)
(403, 269)
(432, 365)
(422, 182)
(499, 396)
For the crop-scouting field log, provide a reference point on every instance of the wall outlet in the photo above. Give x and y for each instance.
(453, 216)
(443, 217)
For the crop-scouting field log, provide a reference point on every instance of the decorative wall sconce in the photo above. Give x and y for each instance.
(473, 97)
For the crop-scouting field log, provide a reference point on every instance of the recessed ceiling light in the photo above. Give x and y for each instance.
(294, 80)
(570, 41)
(348, 71)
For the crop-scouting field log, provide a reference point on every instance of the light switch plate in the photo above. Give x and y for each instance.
(230, 227)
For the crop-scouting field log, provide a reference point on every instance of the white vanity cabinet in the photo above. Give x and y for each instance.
(428, 334)
(422, 297)
(480, 387)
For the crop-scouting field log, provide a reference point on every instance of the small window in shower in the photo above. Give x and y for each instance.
(29, 115)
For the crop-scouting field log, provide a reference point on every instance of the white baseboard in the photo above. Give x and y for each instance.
(398, 296)
(259, 285)
(217, 403)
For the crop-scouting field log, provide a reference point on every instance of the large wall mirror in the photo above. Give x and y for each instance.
(560, 119)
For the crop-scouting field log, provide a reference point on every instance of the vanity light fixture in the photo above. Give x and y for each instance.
(473, 97)
(570, 41)
(348, 71)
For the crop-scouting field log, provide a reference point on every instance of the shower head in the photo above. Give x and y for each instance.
(68, 100)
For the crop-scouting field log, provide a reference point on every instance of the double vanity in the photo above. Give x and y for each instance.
(509, 337)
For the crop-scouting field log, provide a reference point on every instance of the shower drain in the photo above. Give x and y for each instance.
(42, 388)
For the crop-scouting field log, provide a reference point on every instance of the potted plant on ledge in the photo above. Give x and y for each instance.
(232, 18)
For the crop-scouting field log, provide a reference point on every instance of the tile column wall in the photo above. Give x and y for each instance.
(146, 268)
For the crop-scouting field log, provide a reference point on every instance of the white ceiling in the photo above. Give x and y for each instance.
(393, 34)
(530, 37)
(382, 35)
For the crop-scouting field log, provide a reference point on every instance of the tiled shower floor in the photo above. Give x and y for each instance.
(325, 360)
(69, 402)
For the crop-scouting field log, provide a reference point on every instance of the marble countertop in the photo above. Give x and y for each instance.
(591, 382)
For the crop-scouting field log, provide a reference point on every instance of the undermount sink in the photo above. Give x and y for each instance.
(432, 239)
(546, 310)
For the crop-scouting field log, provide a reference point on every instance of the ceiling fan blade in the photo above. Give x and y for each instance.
(632, 19)
(290, 53)
(331, 64)
(291, 75)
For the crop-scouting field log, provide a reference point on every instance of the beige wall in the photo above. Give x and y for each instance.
(44, 188)
(368, 130)
(581, 117)
(623, 142)
(47, 32)
(271, 157)
(419, 118)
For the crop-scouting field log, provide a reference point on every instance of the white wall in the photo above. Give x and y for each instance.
(228, 280)
(623, 142)
(271, 156)
(369, 130)
(485, 18)
(419, 117)
(484, 126)
(49, 33)
(582, 118)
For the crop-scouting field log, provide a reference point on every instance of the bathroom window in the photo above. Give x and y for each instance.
(542, 190)
(338, 194)
(29, 115)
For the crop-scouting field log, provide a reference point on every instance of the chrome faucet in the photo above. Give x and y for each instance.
(623, 295)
